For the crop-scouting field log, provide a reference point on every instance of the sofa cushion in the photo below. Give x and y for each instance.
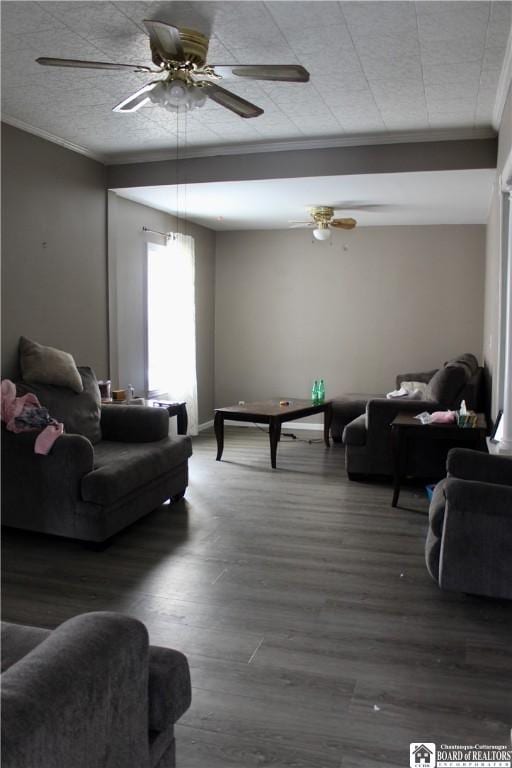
(169, 687)
(47, 365)
(18, 640)
(446, 385)
(355, 432)
(79, 412)
(120, 468)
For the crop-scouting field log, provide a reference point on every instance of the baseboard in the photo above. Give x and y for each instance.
(205, 425)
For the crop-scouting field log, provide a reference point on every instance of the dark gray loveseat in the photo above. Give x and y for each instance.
(114, 464)
(367, 432)
(469, 542)
(90, 694)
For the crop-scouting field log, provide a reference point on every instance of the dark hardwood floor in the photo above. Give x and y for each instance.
(315, 636)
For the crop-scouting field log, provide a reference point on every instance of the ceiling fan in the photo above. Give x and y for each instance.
(322, 221)
(180, 55)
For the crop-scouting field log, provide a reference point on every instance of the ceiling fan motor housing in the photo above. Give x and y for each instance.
(195, 48)
(322, 215)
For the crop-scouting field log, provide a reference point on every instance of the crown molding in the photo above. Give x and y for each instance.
(503, 85)
(400, 137)
(42, 134)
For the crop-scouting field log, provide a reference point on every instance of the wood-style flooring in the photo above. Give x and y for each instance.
(315, 636)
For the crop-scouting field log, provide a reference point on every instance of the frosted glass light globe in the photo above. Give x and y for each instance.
(322, 234)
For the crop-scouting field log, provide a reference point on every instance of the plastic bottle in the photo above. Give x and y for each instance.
(321, 391)
(314, 391)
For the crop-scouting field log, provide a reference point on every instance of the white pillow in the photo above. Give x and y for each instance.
(415, 386)
(409, 390)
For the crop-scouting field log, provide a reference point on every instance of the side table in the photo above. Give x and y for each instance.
(405, 426)
(175, 408)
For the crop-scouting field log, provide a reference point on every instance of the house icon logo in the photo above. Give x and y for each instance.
(422, 755)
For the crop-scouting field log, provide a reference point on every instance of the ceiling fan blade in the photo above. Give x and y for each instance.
(343, 223)
(351, 205)
(232, 101)
(165, 41)
(290, 73)
(91, 64)
(137, 99)
(306, 223)
(301, 224)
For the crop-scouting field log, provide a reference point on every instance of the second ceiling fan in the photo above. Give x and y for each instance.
(322, 219)
(180, 55)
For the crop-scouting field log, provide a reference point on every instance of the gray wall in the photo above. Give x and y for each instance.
(289, 164)
(289, 310)
(491, 334)
(127, 253)
(493, 322)
(54, 264)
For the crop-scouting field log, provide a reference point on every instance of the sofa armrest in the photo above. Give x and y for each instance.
(355, 431)
(380, 413)
(477, 539)
(170, 692)
(476, 465)
(423, 376)
(80, 697)
(70, 457)
(134, 423)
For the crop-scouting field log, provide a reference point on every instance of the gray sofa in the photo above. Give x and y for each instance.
(90, 694)
(114, 464)
(469, 541)
(364, 421)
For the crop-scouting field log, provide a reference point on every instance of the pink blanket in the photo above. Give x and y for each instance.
(443, 417)
(13, 407)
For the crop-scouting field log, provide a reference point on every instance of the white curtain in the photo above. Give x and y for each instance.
(171, 318)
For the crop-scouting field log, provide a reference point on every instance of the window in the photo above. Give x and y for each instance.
(171, 332)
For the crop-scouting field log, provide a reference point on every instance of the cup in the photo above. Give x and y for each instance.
(105, 389)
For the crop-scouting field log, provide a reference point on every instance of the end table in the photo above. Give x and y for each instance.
(405, 426)
(176, 408)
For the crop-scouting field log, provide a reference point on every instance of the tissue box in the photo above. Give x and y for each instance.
(468, 419)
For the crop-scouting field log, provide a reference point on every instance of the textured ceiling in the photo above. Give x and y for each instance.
(376, 68)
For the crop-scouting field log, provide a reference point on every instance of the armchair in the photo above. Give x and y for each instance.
(90, 694)
(469, 540)
(112, 465)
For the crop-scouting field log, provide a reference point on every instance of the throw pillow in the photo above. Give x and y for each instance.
(46, 365)
(79, 412)
(467, 359)
(445, 386)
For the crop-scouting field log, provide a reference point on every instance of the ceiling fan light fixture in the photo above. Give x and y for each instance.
(178, 95)
(322, 233)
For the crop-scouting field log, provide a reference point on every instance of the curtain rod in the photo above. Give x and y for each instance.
(167, 235)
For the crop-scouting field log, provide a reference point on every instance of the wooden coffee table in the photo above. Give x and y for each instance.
(271, 413)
